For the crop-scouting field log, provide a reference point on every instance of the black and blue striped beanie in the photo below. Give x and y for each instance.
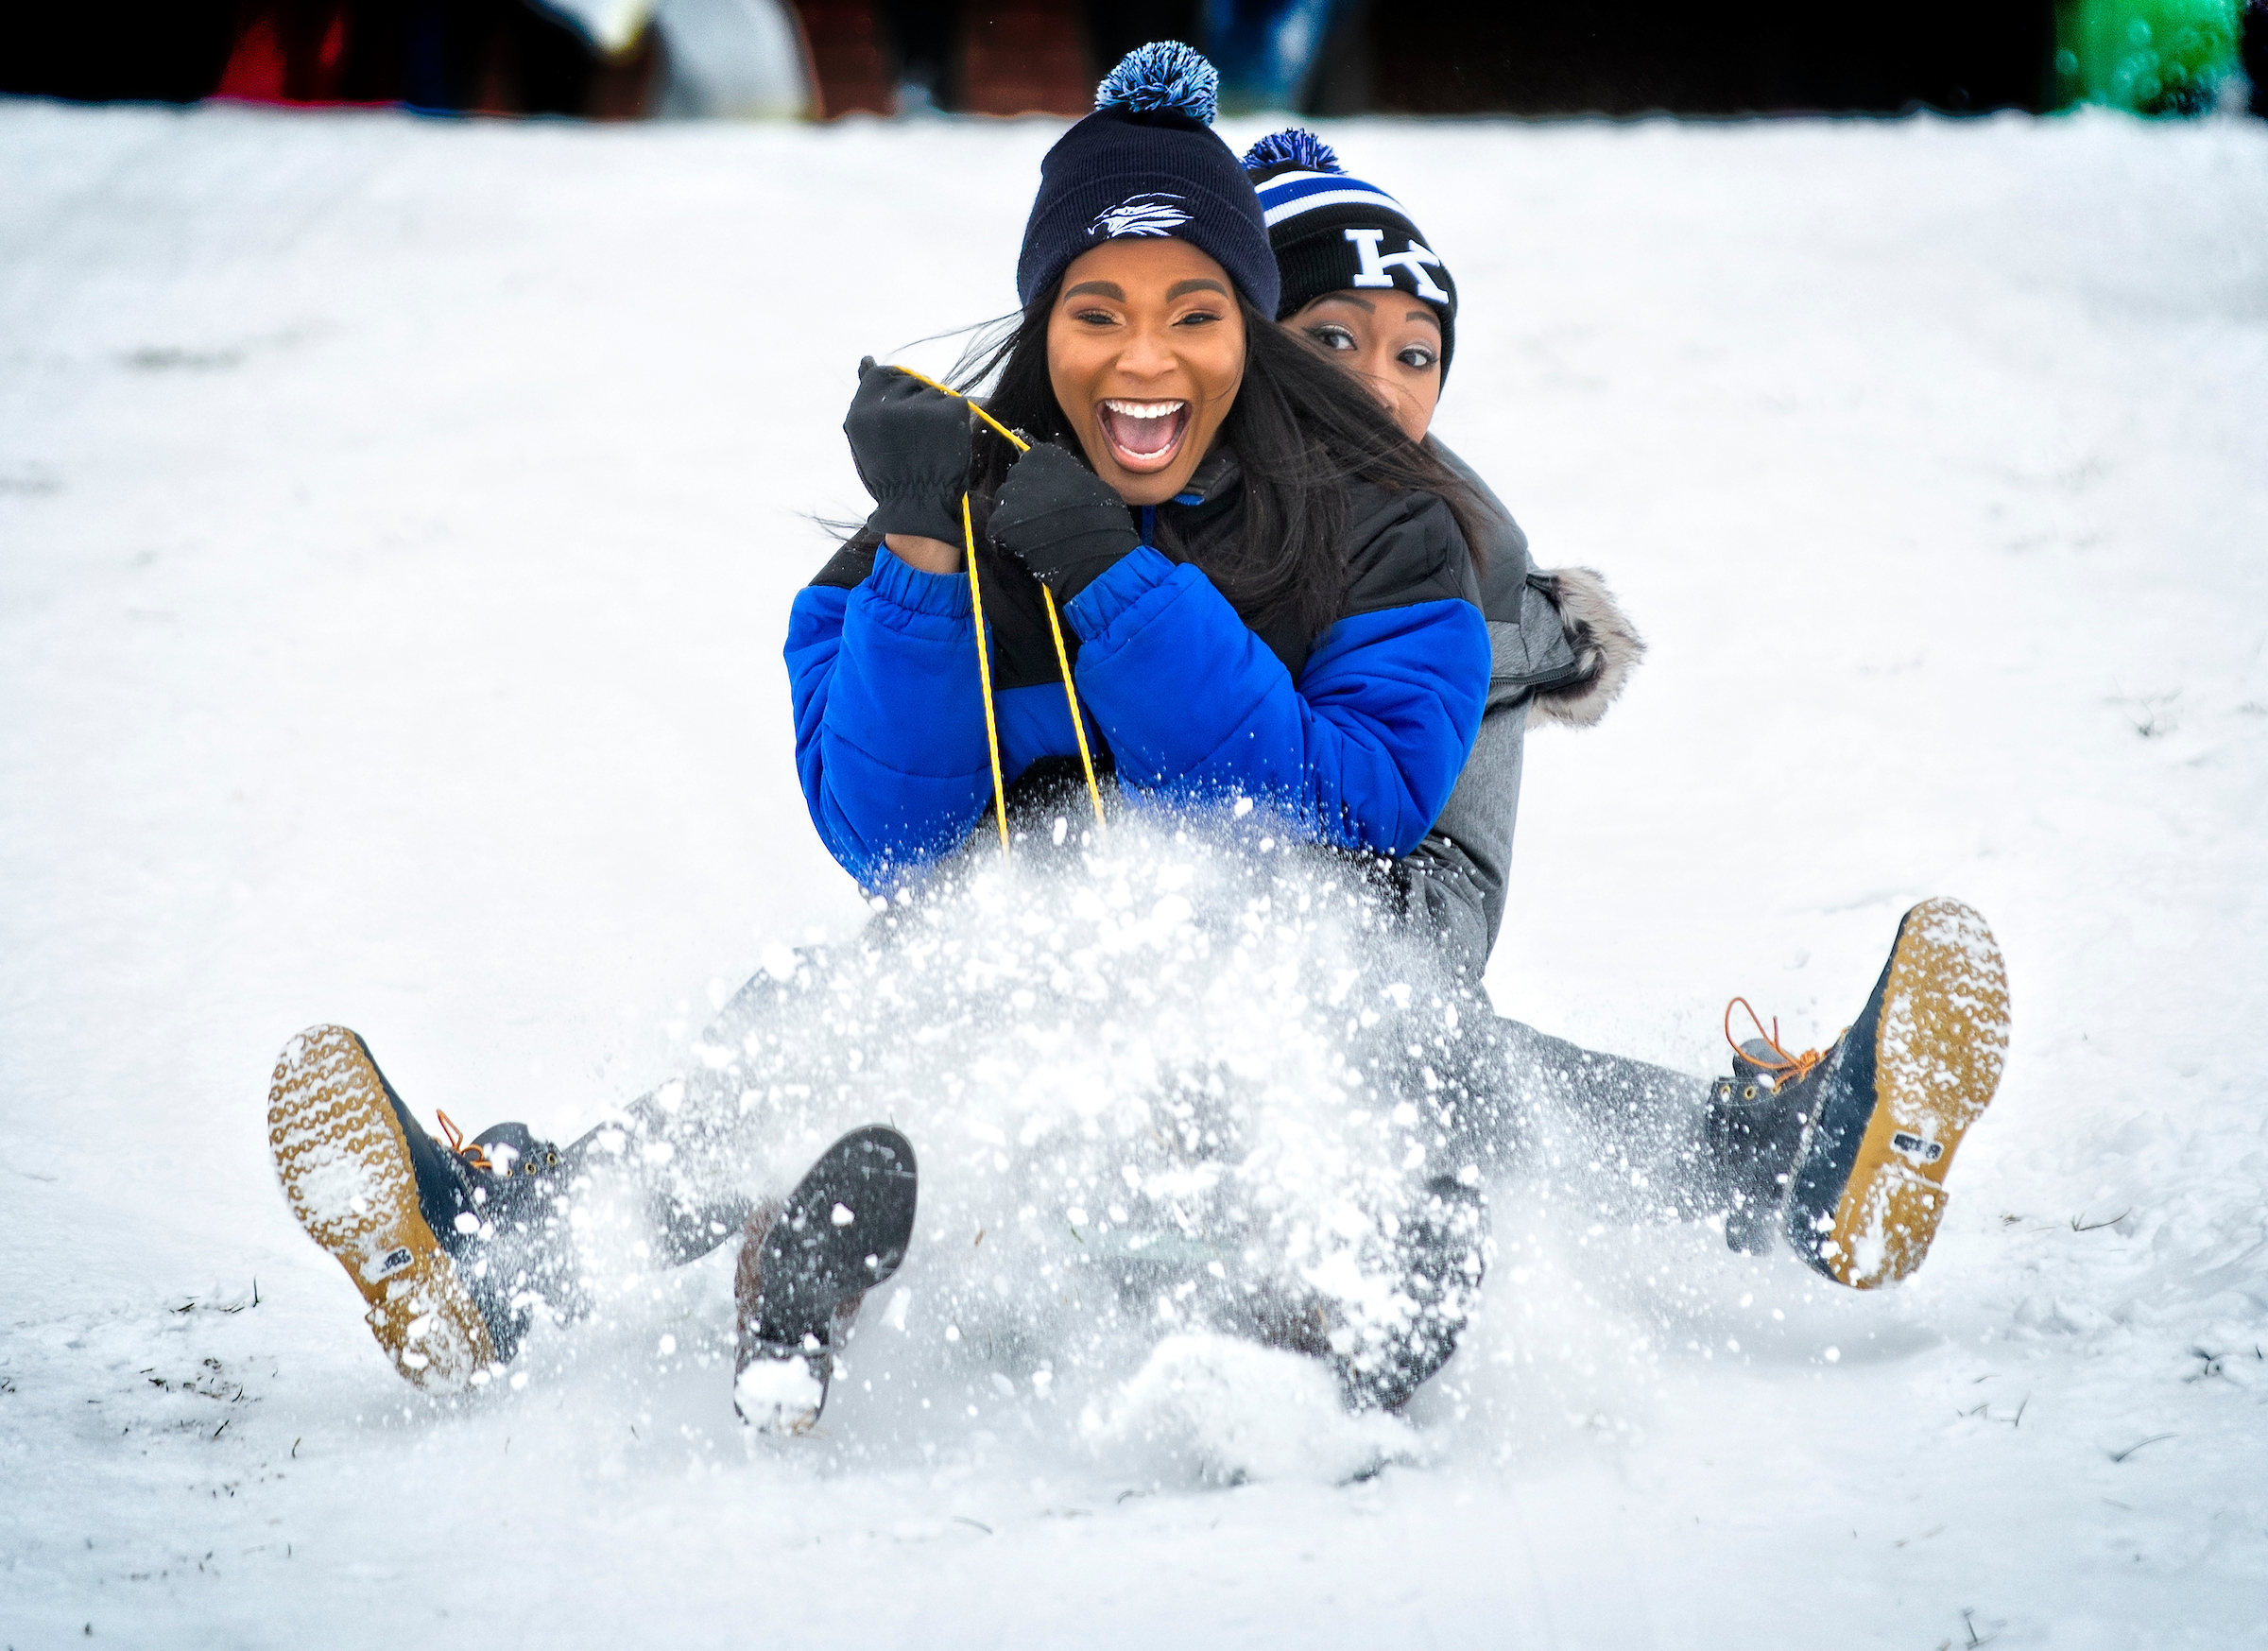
(1331, 233)
(1147, 162)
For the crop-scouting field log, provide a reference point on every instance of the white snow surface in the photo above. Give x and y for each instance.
(398, 521)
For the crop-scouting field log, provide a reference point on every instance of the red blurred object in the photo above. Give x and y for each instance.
(1026, 57)
(1003, 57)
(478, 56)
(291, 55)
(847, 63)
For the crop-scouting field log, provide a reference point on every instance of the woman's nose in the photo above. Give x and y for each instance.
(1146, 355)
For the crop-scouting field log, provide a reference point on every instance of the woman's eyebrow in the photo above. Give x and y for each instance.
(1194, 284)
(1348, 298)
(1100, 288)
(1424, 315)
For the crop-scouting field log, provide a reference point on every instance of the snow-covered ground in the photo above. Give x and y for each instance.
(397, 525)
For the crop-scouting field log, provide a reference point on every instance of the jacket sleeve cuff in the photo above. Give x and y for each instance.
(1133, 576)
(903, 585)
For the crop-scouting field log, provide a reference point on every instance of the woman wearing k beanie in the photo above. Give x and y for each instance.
(1362, 282)
(1357, 275)
(1364, 286)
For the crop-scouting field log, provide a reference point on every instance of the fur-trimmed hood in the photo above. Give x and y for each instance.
(1606, 644)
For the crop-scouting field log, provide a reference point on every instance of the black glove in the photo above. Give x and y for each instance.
(1061, 521)
(911, 445)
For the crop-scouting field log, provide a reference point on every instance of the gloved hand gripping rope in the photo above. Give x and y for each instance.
(900, 500)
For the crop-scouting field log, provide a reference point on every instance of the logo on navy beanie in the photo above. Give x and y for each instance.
(1139, 215)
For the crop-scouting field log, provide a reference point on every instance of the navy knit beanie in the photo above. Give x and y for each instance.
(1330, 231)
(1146, 163)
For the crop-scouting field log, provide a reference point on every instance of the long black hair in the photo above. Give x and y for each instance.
(1302, 428)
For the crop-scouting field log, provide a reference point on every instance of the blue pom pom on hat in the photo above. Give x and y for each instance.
(1295, 147)
(1148, 164)
(1163, 78)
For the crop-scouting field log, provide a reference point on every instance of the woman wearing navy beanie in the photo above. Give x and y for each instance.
(1265, 600)
(1264, 586)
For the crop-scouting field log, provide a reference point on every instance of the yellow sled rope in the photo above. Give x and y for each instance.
(983, 666)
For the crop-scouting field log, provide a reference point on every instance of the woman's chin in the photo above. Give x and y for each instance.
(1151, 488)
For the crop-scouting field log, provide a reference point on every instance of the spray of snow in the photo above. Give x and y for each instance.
(1224, 1411)
(1173, 1078)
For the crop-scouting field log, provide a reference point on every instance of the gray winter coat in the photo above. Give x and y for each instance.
(1561, 652)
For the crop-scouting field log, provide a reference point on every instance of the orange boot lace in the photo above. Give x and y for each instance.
(1786, 1068)
(476, 1155)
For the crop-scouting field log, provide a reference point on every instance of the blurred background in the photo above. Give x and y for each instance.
(822, 60)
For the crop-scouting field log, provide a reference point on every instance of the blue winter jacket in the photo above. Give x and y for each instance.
(1356, 736)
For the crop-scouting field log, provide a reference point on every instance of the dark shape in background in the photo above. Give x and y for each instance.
(1320, 57)
(848, 58)
(97, 53)
(488, 57)
(2254, 54)
(1761, 56)
(500, 57)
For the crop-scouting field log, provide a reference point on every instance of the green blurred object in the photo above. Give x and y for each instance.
(2149, 57)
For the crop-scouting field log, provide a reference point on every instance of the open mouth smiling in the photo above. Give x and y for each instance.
(1142, 436)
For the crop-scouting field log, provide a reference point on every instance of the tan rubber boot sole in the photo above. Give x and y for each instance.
(344, 1168)
(1939, 1029)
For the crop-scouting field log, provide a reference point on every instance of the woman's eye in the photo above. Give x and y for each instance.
(1332, 337)
(1417, 358)
(1094, 317)
(1198, 319)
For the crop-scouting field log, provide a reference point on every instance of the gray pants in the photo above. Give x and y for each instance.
(1619, 1140)
(1190, 1204)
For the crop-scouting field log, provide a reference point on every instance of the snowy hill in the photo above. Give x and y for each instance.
(397, 525)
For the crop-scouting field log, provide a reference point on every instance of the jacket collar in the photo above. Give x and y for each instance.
(1218, 473)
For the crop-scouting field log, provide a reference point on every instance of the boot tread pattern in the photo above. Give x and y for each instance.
(1941, 1040)
(345, 1168)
